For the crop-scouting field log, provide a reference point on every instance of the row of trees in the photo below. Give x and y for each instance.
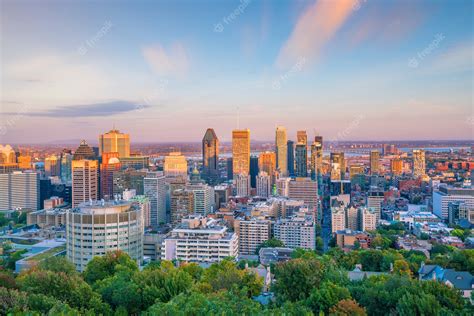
(308, 284)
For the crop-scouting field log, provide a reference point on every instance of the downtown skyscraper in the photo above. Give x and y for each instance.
(241, 151)
(281, 148)
(317, 157)
(210, 157)
(85, 182)
(114, 141)
(419, 164)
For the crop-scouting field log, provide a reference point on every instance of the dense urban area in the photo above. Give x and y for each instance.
(295, 226)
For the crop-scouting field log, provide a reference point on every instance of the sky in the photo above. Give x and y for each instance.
(165, 71)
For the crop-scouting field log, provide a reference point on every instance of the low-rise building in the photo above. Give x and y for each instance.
(47, 217)
(274, 254)
(198, 239)
(348, 239)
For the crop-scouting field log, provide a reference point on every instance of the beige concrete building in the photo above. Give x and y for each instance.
(85, 182)
(252, 233)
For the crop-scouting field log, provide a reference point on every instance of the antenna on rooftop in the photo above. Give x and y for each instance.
(238, 118)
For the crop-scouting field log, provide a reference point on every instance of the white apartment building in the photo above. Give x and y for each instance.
(19, 189)
(242, 184)
(251, 234)
(198, 239)
(296, 232)
(368, 219)
(97, 227)
(264, 184)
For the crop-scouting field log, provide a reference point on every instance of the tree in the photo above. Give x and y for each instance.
(295, 279)
(12, 301)
(328, 295)
(418, 304)
(226, 275)
(58, 264)
(401, 267)
(347, 307)
(102, 267)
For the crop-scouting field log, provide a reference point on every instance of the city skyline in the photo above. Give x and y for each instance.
(253, 64)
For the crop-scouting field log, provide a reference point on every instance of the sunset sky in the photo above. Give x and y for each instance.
(167, 70)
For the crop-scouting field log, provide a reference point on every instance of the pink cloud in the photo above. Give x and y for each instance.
(173, 61)
(314, 28)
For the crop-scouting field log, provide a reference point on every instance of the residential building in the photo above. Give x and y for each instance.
(19, 189)
(296, 232)
(198, 239)
(252, 233)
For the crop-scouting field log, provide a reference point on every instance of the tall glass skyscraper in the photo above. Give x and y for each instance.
(301, 160)
(254, 169)
(281, 150)
(114, 141)
(290, 145)
(241, 151)
(210, 157)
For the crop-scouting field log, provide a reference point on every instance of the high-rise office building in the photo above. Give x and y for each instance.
(181, 205)
(304, 189)
(241, 151)
(66, 166)
(264, 184)
(154, 185)
(129, 180)
(24, 162)
(281, 148)
(338, 166)
(110, 165)
(374, 162)
(175, 165)
(317, 157)
(230, 171)
(85, 183)
(396, 166)
(254, 170)
(301, 137)
(291, 157)
(210, 157)
(418, 162)
(19, 189)
(374, 201)
(114, 141)
(84, 151)
(7, 154)
(203, 198)
(52, 166)
(95, 228)
(301, 160)
(267, 162)
(356, 169)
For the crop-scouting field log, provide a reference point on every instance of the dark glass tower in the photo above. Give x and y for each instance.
(253, 171)
(301, 160)
(210, 157)
(291, 158)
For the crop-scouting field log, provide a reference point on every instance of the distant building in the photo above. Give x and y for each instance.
(254, 170)
(419, 166)
(52, 166)
(110, 165)
(348, 239)
(84, 151)
(301, 160)
(374, 201)
(241, 151)
(460, 280)
(281, 150)
(317, 157)
(396, 166)
(338, 166)
(274, 255)
(198, 239)
(291, 157)
(134, 162)
(175, 165)
(304, 189)
(267, 162)
(242, 184)
(210, 157)
(95, 228)
(374, 162)
(114, 141)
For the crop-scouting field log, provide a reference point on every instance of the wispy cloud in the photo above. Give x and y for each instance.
(314, 28)
(89, 110)
(457, 58)
(173, 61)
